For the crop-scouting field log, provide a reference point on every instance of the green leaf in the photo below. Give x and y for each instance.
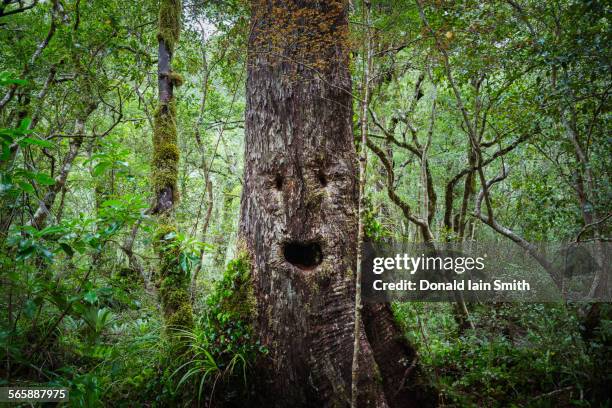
(80, 246)
(67, 249)
(46, 253)
(93, 242)
(6, 78)
(37, 142)
(112, 228)
(100, 168)
(184, 263)
(7, 135)
(28, 229)
(53, 229)
(25, 253)
(30, 308)
(24, 125)
(91, 297)
(6, 152)
(112, 203)
(27, 187)
(169, 236)
(44, 179)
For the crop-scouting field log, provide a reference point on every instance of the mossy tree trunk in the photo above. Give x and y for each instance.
(299, 218)
(173, 282)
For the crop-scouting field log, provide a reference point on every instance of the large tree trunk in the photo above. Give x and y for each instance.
(299, 217)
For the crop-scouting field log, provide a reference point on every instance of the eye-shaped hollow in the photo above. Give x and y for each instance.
(278, 182)
(322, 178)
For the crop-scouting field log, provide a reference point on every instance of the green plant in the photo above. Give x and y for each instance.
(221, 346)
(373, 228)
(517, 354)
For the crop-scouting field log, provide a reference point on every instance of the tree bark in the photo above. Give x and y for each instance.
(363, 162)
(172, 281)
(299, 217)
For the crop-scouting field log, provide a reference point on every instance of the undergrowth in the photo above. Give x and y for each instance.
(518, 355)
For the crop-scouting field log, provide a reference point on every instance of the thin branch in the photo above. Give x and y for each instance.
(593, 224)
(4, 13)
(508, 233)
(391, 193)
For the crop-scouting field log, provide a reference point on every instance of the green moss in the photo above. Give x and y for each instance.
(169, 28)
(350, 274)
(233, 294)
(127, 278)
(176, 78)
(165, 150)
(230, 313)
(181, 318)
(166, 153)
(172, 292)
(173, 282)
(224, 336)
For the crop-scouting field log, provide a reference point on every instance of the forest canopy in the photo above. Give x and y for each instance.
(186, 189)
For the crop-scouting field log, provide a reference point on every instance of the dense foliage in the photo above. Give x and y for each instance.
(462, 93)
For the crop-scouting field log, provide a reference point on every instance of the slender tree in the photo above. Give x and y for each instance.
(363, 161)
(173, 282)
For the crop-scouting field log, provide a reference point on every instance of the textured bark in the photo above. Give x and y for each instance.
(363, 161)
(299, 214)
(468, 192)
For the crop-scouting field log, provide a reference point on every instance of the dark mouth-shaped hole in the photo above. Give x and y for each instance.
(304, 255)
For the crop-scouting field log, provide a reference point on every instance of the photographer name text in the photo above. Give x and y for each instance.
(455, 285)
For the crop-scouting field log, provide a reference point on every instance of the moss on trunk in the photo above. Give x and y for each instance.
(169, 23)
(165, 151)
(172, 280)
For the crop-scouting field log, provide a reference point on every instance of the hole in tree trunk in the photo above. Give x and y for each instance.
(322, 179)
(304, 255)
(278, 182)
